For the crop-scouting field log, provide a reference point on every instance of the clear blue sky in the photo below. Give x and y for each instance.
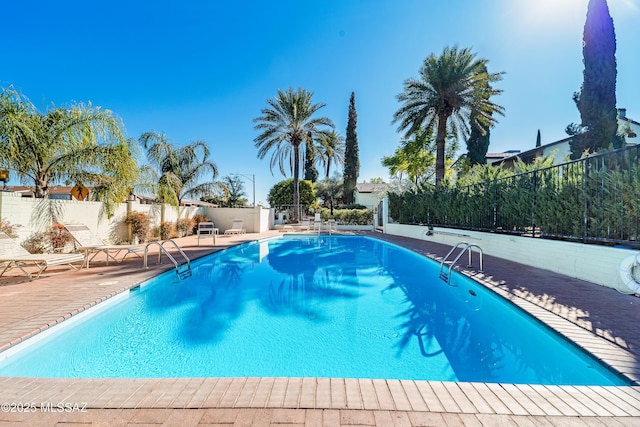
(202, 70)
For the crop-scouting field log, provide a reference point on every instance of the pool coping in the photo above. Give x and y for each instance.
(350, 394)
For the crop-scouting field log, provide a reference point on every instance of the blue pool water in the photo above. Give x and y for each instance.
(320, 306)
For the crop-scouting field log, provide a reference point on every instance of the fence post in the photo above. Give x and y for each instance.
(534, 185)
(584, 196)
(495, 207)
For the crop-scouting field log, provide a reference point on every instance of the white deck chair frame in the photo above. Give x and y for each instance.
(91, 246)
(12, 255)
(237, 227)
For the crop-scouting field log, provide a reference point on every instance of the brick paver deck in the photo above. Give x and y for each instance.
(601, 320)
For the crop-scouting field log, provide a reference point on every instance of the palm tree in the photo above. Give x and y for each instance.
(176, 172)
(285, 125)
(331, 150)
(79, 143)
(448, 90)
(236, 195)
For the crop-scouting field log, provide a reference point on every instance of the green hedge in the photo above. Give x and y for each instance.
(593, 199)
(348, 216)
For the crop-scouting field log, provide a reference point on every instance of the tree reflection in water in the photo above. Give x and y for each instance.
(482, 337)
(312, 268)
(441, 323)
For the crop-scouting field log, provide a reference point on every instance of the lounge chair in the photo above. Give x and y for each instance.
(236, 227)
(12, 255)
(207, 229)
(88, 243)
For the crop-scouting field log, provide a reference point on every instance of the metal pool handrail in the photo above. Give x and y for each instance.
(181, 274)
(465, 247)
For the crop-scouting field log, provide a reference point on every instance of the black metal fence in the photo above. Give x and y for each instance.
(592, 200)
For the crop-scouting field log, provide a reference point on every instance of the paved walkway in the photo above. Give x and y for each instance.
(599, 319)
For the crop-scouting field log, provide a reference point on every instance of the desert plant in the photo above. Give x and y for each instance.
(164, 231)
(7, 228)
(197, 219)
(184, 226)
(59, 237)
(140, 225)
(37, 243)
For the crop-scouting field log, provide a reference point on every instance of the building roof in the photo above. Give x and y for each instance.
(530, 155)
(365, 187)
(496, 157)
(54, 190)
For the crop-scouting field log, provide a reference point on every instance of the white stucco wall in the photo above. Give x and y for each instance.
(256, 219)
(593, 263)
(31, 215)
(370, 200)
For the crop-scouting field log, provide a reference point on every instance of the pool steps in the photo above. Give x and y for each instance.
(182, 271)
(446, 275)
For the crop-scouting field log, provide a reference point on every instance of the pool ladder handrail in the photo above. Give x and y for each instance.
(331, 224)
(181, 274)
(465, 247)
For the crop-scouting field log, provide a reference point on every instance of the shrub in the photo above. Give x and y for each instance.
(8, 229)
(197, 219)
(184, 226)
(140, 225)
(37, 243)
(354, 206)
(59, 237)
(348, 216)
(163, 231)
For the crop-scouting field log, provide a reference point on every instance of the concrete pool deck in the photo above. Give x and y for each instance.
(601, 320)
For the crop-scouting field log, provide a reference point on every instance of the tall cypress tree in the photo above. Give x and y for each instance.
(310, 171)
(477, 145)
(351, 153)
(479, 137)
(596, 100)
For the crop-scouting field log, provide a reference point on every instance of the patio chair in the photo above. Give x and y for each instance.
(206, 229)
(90, 244)
(236, 227)
(12, 255)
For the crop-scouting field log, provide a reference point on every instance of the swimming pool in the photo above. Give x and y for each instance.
(309, 306)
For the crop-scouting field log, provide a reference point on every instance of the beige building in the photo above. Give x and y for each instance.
(370, 195)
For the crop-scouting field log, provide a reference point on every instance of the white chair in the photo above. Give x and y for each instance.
(12, 255)
(207, 229)
(236, 227)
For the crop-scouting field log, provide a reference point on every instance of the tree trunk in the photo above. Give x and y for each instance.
(41, 189)
(296, 181)
(440, 145)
